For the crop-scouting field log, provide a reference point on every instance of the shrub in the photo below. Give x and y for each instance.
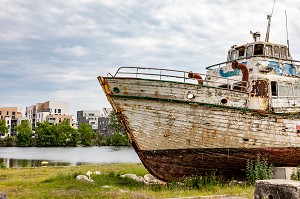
(296, 175)
(259, 170)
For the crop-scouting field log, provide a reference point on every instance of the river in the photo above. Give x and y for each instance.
(65, 156)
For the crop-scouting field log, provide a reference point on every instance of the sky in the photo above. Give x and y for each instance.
(54, 50)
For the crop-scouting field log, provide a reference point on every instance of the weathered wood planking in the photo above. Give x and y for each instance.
(176, 91)
(160, 124)
(177, 137)
(173, 125)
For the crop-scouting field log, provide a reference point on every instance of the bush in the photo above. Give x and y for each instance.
(296, 175)
(259, 170)
(207, 181)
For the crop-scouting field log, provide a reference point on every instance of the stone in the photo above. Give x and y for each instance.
(3, 196)
(277, 189)
(150, 179)
(89, 173)
(84, 178)
(134, 177)
(106, 186)
(211, 197)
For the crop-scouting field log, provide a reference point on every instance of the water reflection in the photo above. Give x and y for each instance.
(59, 156)
(14, 163)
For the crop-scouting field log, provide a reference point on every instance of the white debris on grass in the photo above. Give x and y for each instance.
(147, 179)
(84, 178)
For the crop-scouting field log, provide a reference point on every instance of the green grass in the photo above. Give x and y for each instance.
(60, 182)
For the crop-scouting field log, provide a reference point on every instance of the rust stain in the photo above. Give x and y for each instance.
(196, 76)
(245, 73)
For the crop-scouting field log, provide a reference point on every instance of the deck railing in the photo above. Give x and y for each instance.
(177, 76)
(295, 63)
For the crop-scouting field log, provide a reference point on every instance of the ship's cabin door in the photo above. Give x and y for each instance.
(259, 95)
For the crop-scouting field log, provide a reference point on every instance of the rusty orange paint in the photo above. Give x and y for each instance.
(196, 76)
(245, 73)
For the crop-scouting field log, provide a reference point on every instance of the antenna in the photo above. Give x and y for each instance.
(287, 34)
(269, 23)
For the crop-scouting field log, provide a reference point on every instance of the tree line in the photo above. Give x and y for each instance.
(63, 135)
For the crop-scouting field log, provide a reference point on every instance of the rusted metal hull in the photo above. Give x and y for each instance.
(177, 136)
(180, 163)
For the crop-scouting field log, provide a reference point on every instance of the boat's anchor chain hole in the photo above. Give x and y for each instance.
(224, 101)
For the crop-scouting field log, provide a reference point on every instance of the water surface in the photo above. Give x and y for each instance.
(64, 156)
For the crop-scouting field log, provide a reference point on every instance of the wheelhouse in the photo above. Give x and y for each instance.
(258, 49)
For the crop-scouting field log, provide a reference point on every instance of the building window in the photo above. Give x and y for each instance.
(59, 110)
(6, 112)
(0, 112)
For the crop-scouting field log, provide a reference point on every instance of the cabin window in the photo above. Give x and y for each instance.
(228, 57)
(276, 51)
(274, 88)
(285, 89)
(225, 86)
(233, 55)
(258, 49)
(241, 52)
(283, 52)
(249, 51)
(268, 50)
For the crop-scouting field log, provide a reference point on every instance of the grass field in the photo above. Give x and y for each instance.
(60, 182)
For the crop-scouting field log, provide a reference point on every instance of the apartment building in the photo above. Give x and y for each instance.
(104, 127)
(10, 115)
(90, 117)
(103, 122)
(52, 111)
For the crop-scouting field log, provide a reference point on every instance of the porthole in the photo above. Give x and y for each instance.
(116, 89)
(224, 101)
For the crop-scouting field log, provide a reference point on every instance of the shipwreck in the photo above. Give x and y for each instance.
(184, 124)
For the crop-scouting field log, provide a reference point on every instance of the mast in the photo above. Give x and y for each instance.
(287, 34)
(269, 24)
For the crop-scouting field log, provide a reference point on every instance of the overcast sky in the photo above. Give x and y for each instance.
(54, 49)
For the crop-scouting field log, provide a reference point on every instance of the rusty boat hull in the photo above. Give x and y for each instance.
(181, 130)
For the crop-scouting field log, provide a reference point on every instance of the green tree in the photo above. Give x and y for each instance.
(24, 136)
(66, 135)
(119, 138)
(10, 141)
(3, 127)
(45, 134)
(86, 134)
(114, 122)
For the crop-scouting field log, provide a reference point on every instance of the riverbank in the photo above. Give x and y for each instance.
(60, 182)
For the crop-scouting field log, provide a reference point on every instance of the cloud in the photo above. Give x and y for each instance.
(54, 50)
